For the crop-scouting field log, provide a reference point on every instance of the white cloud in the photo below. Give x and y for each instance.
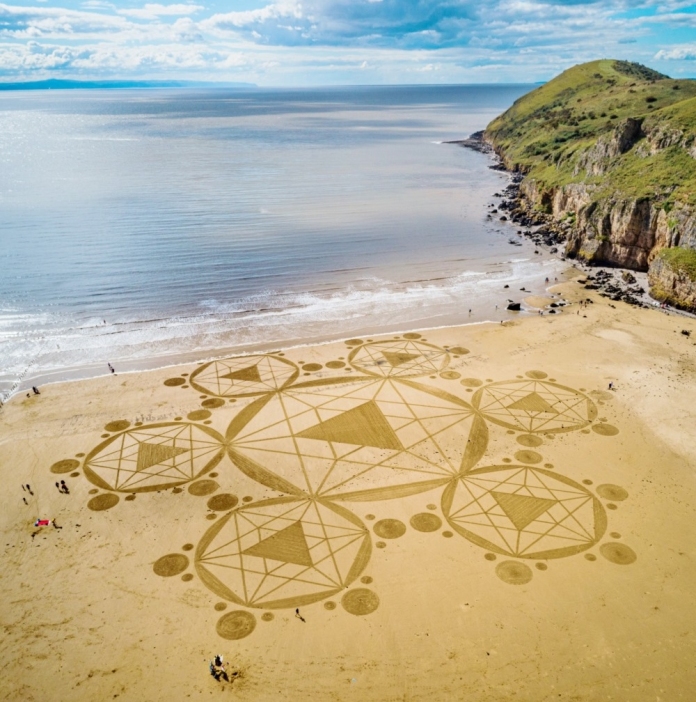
(155, 10)
(681, 53)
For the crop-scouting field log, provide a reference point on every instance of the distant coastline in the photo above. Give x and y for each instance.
(59, 84)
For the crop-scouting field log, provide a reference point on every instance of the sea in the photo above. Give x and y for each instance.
(144, 228)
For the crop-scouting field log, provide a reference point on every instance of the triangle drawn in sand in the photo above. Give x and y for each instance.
(522, 510)
(532, 403)
(364, 425)
(249, 374)
(151, 454)
(288, 545)
(398, 358)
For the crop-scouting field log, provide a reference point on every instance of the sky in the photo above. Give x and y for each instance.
(335, 42)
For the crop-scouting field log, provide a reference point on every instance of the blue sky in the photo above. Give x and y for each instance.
(323, 42)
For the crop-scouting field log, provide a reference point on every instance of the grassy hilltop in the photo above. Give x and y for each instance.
(610, 147)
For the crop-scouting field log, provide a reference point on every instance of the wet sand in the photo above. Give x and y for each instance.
(464, 513)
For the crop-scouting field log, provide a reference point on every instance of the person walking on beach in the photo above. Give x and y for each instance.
(111, 368)
(35, 389)
(299, 616)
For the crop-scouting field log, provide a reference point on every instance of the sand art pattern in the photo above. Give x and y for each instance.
(370, 428)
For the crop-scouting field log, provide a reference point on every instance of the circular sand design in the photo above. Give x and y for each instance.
(334, 365)
(354, 342)
(541, 566)
(425, 522)
(235, 625)
(329, 605)
(412, 335)
(213, 403)
(366, 580)
(471, 382)
(490, 557)
(268, 616)
(450, 375)
(514, 573)
(536, 374)
(389, 528)
(360, 601)
(174, 382)
(612, 492)
(380, 544)
(311, 367)
(187, 577)
(220, 606)
(171, 564)
(529, 440)
(223, 502)
(605, 430)
(458, 350)
(398, 359)
(65, 466)
(201, 488)
(187, 547)
(529, 457)
(447, 534)
(590, 557)
(198, 415)
(618, 553)
(130, 498)
(117, 425)
(102, 502)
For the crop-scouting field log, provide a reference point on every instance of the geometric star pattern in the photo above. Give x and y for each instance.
(245, 376)
(283, 552)
(524, 512)
(535, 406)
(154, 457)
(356, 438)
(398, 359)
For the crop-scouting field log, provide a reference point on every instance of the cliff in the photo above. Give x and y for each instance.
(608, 153)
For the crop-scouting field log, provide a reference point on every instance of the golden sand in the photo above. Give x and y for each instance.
(459, 514)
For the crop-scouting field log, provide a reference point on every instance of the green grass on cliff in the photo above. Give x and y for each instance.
(680, 260)
(546, 132)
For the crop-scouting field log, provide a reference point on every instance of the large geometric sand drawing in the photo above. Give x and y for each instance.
(359, 439)
(283, 552)
(524, 512)
(246, 376)
(535, 406)
(398, 359)
(154, 457)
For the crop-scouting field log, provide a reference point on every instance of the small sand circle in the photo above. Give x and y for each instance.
(366, 579)
(93, 491)
(450, 375)
(247, 498)
(329, 605)
(201, 488)
(615, 535)
(380, 544)
(536, 374)
(335, 364)
(171, 564)
(389, 528)
(210, 517)
(117, 425)
(312, 367)
(65, 466)
(612, 492)
(514, 573)
(587, 482)
(541, 566)
(220, 606)
(360, 601)
(198, 415)
(187, 577)
(490, 557)
(187, 547)
(431, 506)
(102, 502)
(354, 342)
(618, 553)
(528, 457)
(212, 403)
(268, 616)
(424, 521)
(223, 502)
(173, 382)
(529, 440)
(605, 430)
(235, 625)
(369, 517)
(458, 350)
(130, 498)
(412, 335)
(471, 382)
(590, 557)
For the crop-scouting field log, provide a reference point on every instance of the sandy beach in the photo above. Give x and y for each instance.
(466, 513)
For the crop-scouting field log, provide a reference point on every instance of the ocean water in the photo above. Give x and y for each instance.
(139, 227)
